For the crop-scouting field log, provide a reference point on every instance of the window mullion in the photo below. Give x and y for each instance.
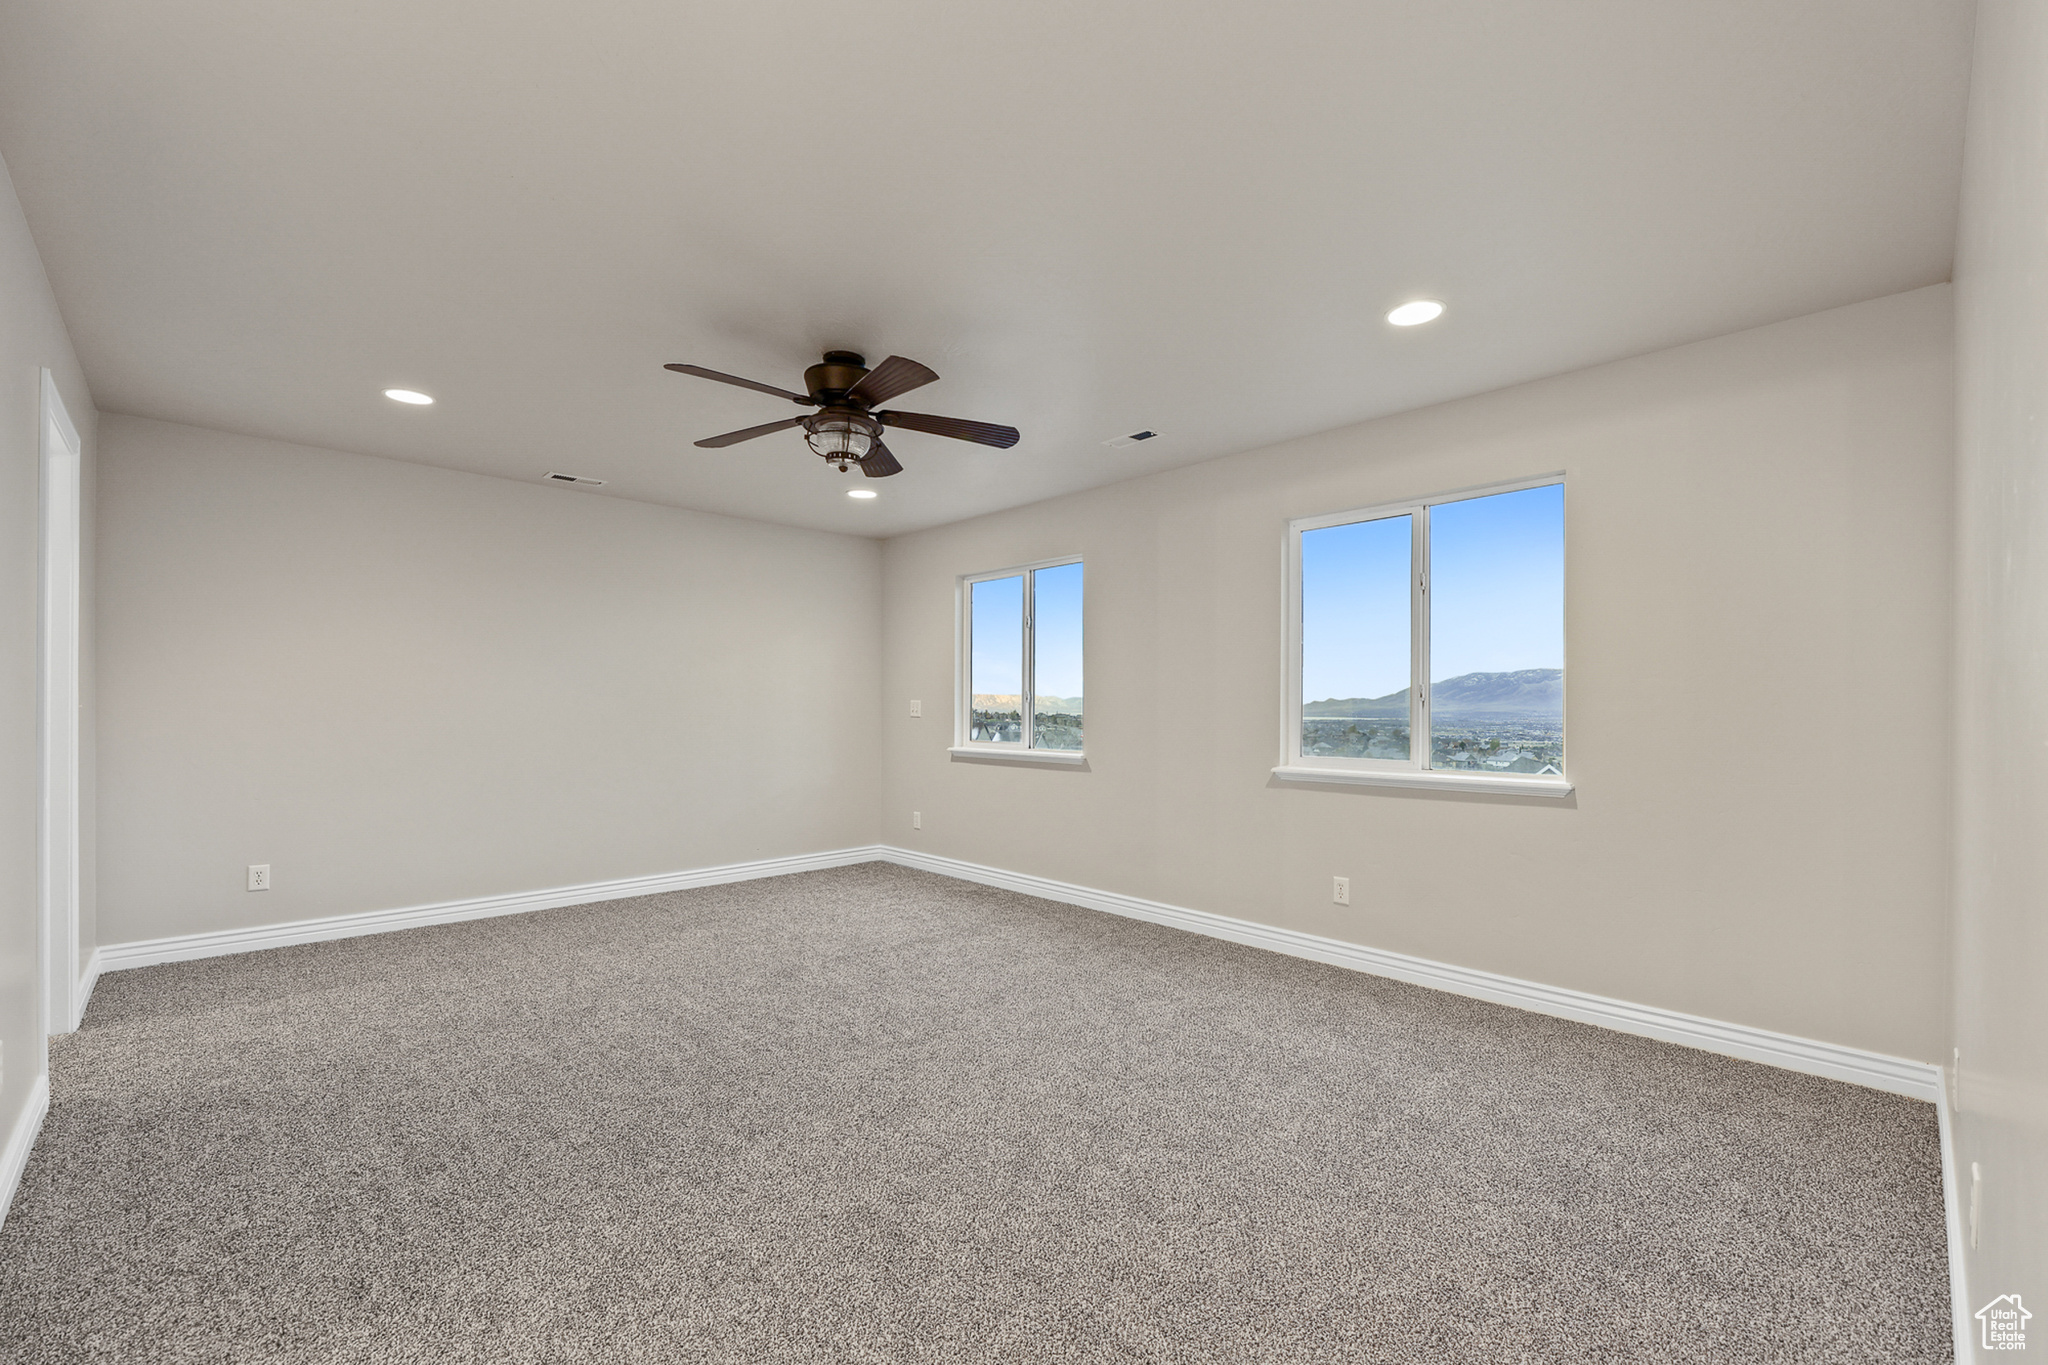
(1420, 721)
(1027, 698)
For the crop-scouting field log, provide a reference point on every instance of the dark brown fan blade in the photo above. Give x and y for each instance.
(880, 464)
(959, 428)
(703, 373)
(893, 376)
(733, 438)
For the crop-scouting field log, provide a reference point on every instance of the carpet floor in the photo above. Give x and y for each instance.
(874, 1114)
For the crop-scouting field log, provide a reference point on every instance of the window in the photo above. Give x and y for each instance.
(1020, 675)
(1426, 643)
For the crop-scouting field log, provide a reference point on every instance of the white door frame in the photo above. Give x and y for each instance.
(58, 875)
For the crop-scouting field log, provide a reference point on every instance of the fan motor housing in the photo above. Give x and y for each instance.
(840, 371)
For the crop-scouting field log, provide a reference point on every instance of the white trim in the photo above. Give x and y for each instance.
(86, 981)
(1899, 1075)
(60, 567)
(1400, 505)
(1952, 1205)
(14, 1159)
(1018, 754)
(53, 403)
(115, 957)
(1418, 643)
(1443, 781)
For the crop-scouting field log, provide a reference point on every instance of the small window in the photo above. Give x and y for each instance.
(1427, 641)
(1021, 662)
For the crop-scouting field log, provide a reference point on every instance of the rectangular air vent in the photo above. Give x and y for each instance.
(1119, 442)
(572, 478)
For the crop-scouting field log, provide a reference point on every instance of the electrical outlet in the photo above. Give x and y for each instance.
(917, 708)
(917, 819)
(259, 876)
(1340, 890)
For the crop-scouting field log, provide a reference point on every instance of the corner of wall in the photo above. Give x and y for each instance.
(33, 339)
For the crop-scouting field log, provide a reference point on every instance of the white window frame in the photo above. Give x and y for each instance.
(1413, 771)
(963, 669)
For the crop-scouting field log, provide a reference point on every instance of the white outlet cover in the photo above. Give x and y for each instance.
(917, 708)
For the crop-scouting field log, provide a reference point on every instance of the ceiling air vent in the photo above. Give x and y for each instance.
(572, 478)
(1119, 442)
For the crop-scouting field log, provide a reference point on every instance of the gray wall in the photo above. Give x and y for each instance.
(398, 684)
(2001, 900)
(32, 338)
(1759, 548)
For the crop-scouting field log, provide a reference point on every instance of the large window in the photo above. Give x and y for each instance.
(1427, 642)
(1020, 688)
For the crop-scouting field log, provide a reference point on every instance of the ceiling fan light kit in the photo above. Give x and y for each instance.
(842, 436)
(847, 429)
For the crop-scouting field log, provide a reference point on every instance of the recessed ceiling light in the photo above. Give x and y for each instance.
(862, 493)
(407, 396)
(1421, 310)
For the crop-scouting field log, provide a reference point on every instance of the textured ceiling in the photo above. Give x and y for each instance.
(1088, 217)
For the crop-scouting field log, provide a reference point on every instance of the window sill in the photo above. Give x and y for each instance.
(1017, 755)
(1396, 777)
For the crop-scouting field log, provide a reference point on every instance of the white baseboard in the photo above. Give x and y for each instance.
(19, 1141)
(1952, 1203)
(1900, 1076)
(114, 957)
(87, 979)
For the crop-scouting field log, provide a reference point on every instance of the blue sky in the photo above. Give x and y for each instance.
(1497, 586)
(998, 607)
(998, 621)
(1354, 609)
(1057, 598)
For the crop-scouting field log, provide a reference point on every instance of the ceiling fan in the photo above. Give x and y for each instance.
(846, 429)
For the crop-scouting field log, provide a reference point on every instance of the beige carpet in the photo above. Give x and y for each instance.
(879, 1115)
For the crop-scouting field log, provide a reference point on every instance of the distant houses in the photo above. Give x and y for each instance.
(1459, 742)
(999, 719)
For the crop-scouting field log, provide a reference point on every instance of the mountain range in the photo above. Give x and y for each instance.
(1528, 692)
(1047, 706)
